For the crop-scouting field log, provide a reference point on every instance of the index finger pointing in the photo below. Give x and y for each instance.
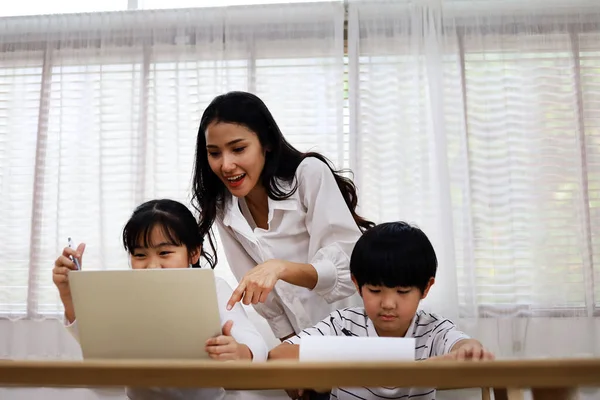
(236, 296)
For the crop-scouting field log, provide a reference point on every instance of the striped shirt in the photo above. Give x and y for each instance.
(434, 336)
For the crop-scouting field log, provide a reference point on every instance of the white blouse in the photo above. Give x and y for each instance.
(243, 331)
(312, 226)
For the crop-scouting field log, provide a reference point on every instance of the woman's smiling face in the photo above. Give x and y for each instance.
(236, 156)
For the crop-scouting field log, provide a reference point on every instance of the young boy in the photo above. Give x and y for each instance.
(393, 266)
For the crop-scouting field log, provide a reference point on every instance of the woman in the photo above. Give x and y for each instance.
(286, 219)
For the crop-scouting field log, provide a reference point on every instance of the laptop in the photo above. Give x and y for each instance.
(145, 314)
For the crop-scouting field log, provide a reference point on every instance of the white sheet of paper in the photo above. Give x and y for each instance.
(352, 348)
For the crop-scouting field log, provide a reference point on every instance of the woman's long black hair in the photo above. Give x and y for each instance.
(281, 161)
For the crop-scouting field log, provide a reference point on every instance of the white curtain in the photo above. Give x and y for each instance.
(100, 111)
(478, 121)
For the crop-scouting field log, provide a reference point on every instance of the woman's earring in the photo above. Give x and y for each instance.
(190, 266)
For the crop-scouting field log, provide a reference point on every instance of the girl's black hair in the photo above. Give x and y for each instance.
(281, 160)
(393, 254)
(177, 222)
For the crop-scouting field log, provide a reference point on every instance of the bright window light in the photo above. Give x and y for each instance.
(36, 7)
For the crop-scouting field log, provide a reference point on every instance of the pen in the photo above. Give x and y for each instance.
(75, 260)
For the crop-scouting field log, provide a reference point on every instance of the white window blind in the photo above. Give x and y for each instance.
(20, 87)
(161, 4)
(589, 72)
(525, 170)
(118, 117)
(39, 7)
(482, 129)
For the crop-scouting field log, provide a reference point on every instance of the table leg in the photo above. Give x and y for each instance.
(509, 394)
(554, 394)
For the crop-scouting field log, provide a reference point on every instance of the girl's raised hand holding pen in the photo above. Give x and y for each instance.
(60, 276)
(65, 263)
(74, 259)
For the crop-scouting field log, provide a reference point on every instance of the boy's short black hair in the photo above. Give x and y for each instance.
(393, 254)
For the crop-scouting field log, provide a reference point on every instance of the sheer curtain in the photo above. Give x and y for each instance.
(99, 112)
(478, 121)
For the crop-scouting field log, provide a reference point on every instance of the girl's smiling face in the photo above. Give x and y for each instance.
(159, 251)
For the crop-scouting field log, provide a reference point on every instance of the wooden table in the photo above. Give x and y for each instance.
(549, 378)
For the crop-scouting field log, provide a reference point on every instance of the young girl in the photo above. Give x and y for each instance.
(164, 234)
(286, 219)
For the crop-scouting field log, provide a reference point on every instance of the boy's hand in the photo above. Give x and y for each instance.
(225, 347)
(470, 350)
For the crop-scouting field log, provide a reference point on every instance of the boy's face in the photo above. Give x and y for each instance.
(391, 309)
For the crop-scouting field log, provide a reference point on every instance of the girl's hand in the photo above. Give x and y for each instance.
(62, 266)
(257, 283)
(225, 347)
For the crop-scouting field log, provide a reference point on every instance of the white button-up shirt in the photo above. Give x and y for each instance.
(313, 226)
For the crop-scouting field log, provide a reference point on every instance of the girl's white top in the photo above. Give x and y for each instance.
(243, 331)
(312, 226)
